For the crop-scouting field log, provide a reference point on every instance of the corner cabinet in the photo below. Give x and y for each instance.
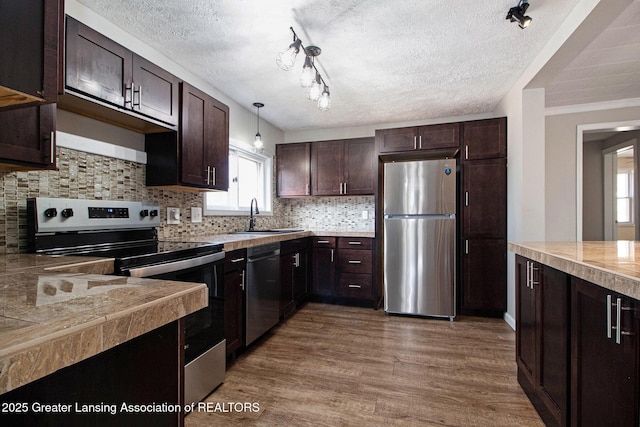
(605, 355)
(542, 338)
(293, 169)
(343, 167)
(29, 60)
(484, 218)
(197, 157)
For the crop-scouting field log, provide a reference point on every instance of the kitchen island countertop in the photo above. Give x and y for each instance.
(614, 265)
(56, 311)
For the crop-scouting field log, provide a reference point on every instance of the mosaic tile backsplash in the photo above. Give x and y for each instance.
(82, 175)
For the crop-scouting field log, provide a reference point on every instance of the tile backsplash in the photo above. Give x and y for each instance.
(81, 175)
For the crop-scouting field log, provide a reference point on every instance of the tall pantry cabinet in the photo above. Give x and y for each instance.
(483, 209)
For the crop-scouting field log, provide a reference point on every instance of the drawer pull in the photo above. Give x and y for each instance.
(355, 243)
(355, 286)
(237, 260)
(355, 261)
(323, 241)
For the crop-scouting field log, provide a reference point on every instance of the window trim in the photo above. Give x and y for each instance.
(267, 162)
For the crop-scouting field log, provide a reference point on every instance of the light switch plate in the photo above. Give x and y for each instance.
(173, 215)
(196, 214)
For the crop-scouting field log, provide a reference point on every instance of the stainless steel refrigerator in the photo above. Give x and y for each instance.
(419, 235)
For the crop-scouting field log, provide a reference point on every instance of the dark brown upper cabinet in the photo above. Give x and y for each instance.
(102, 71)
(484, 139)
(343, 167)
(441, 136)
(29, 61)
(27, 138)
(197, 156)
(293, 168)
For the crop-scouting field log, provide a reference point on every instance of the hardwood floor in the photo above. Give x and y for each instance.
(333, 365)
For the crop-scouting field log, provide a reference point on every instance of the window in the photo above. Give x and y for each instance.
(624, 193)
(249, 176)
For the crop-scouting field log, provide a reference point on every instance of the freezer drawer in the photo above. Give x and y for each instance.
(419, 266)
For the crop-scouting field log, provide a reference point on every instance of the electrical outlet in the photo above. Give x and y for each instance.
(196, 214)
(365, 214)
(173, 215)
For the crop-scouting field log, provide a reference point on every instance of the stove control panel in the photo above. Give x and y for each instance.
(49, 214)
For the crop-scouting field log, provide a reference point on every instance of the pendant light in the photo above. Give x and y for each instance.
(258, 145)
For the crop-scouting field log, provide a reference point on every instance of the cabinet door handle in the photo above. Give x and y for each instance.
(242, 273)
(533, 275)
(208, 174)
(52, 159)
(466, 152)
(128, 89)
(296, 259)
(213, 175)
(528, 274)
(420, 142)
(345, 188)
(355, 261)
(133, 96)
(306, 189)
(466, 198)
(609, 316)
(331, 255)
(355, 243)
(415, 142)
(355, 286)
(466, 251)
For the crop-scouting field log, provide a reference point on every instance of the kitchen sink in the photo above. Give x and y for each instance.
(270, 231)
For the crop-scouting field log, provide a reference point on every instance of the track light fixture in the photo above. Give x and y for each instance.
(318, 91)
(258, 145)
(517, 14)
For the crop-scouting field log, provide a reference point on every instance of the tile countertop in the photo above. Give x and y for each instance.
(57, 311)
(235, 241)
(612, 265)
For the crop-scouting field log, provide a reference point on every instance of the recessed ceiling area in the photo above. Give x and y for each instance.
(385, 62)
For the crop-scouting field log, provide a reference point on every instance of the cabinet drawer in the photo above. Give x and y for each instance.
(295, 245)
(323, 242)
(355, 261)
(235, 260)
(355, 243)
(355, 286)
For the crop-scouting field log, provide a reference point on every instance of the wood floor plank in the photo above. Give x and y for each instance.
(331, 365)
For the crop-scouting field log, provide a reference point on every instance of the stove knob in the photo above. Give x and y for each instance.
(51, 212)
(144, 213)
(67, 213)
(154, 212)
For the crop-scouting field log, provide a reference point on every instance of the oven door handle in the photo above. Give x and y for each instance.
(170, 267)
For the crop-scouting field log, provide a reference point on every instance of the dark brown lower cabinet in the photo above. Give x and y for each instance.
(605, 357)
(542, 339)
(234, 283)
(324, 259)
(294, 271)
(484, 277)
(146, 370)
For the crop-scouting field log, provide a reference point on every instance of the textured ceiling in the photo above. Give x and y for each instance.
(385, 61)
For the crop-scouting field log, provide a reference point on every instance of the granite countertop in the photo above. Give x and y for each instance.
(233, 241)
(612, 265)
(56, 311)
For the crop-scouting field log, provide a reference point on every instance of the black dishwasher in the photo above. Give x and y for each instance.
(262, 291)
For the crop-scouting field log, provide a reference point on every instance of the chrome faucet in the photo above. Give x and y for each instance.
(252, 221)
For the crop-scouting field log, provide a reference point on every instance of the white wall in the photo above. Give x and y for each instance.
(561, 166)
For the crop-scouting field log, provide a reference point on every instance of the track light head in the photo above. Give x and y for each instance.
(517, 14)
